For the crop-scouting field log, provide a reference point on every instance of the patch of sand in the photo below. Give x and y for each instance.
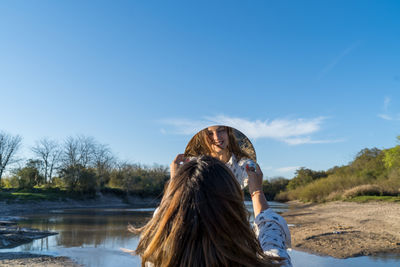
(33, 260)
(345, 229)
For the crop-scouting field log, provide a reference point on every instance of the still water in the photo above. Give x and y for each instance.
(94, 238)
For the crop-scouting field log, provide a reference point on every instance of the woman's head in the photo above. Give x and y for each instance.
(217, 138)
(213, 141)
(201, 221)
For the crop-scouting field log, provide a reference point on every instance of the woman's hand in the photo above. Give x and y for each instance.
(255, 178)
(176, 163)
(255, 188)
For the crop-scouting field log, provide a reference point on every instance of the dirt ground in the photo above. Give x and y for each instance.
(345, 229)
(26, 259)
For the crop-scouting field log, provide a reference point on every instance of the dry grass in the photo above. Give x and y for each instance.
(363, 190)
(337, 195)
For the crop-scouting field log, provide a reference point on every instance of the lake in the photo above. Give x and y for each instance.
(93, 237)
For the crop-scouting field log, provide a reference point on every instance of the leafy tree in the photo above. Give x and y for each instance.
(78, 178)
(305, 176)
(29, 176)
(369, 164)
(392, 156)
(134, 178)
(87, 181)
(274, 186)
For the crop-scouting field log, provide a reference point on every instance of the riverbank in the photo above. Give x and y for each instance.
(33, 260)
(16, 208)
(345, 229)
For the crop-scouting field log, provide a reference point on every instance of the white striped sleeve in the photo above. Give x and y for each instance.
(273, 235)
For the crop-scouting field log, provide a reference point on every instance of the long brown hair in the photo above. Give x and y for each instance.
(200, 145)
(201, 221)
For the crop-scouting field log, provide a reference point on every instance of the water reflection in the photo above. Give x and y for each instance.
(80, 228)
(93, 237)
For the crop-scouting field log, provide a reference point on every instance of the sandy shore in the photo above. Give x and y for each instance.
(34, 260)
(345, 229)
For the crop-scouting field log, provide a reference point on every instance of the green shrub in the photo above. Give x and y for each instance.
(282, 197)
(28, 177)
(9, 182)
(305, 176)
(273, 187)
(136, 179)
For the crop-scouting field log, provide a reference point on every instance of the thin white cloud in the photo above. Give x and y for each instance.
(265, 167)
(386, 103)
(184, 126)
(287, 169)
(290, 131)
(275, 129)
(337, 59)
(386, 115)
(308, 140)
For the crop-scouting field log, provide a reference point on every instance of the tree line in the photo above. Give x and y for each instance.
(373, 172)
(79, 164)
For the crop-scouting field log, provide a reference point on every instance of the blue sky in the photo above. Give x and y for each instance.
(311, 83)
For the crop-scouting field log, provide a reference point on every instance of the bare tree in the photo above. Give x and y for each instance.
(48, 152)
(9, 146)
(103, 163)
(87, 150)
(70, 155)
(77, 155)
(79, 150)
(80, 153)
